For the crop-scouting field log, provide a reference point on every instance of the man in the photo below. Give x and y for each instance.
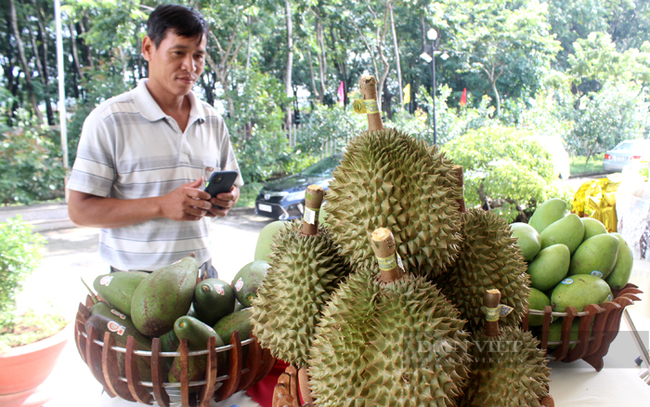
(144, 156)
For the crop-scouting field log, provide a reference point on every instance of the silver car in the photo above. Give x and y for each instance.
(625, 153)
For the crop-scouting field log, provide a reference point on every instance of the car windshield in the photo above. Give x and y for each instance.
(631, 146)
(325, 166)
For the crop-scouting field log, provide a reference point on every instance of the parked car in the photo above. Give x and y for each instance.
(625, 153)
(285, 198)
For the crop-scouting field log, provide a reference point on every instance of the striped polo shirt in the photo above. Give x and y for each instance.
(129, 148)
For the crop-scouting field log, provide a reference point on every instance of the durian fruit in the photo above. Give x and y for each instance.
(388, 339)
(488, 258)
(390, 179)
(508, 368)
(304, 268)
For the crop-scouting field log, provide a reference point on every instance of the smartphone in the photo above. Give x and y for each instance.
(219, 182)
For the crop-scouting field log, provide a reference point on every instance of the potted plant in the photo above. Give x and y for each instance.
(30, 343)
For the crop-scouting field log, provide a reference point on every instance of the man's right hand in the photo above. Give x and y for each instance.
(186, 203)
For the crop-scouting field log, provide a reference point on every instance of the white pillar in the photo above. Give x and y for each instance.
(59, 62)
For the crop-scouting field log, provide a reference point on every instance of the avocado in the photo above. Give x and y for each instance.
(538, 301)
(213, 300)
(117, 288)
(120, 329)
(528, 239)
(596, 255)
(248, 279)
(568, 230)
(593, 227)
(163, 296)
(548, 212)
(579, 291)
(265, 239)
(549, 267)
(237, 321)
(197, 334)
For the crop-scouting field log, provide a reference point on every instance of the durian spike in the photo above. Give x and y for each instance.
(383, 244)
(368, 88)
(313, 201)
(458, 171)
(491, 300)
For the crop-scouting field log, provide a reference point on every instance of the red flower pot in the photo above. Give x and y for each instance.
(24, 368)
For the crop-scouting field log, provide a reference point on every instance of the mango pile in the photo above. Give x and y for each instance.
(572, 261)
(170, 305)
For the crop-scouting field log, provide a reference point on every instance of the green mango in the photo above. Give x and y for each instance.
(579, 291)
(568, 230)
(549, 267)
(197, 334)
(593, 227)
(117, 288)
(163, 296)
(213, 300)
(596, 256)
(248, 279)
(622, 271)
(555, 333)
(527, 239)
(537, 300)
(547, 213)
(265, 239)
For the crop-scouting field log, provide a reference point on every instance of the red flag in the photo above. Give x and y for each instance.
(341, 93)
(463, 98)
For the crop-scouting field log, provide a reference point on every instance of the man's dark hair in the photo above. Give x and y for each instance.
(183, 21)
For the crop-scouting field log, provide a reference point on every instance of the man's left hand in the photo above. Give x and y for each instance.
(225, 200)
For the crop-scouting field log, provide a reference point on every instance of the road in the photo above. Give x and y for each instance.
(72, 254)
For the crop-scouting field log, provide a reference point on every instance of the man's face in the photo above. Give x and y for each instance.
(176, 64)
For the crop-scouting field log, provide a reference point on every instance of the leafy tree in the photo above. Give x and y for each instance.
(505, 170)
(507, 43)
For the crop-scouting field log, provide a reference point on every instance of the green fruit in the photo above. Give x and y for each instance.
(239, 321)
(622, 271)
(117, 288)
(248, 280)
(579, 291)
(568, 230)
(169, 342)
(120, 329)
(549, 267)
(537, 301)
(197, 334)
(488, 258)
(390, 179)
(593, 227)
(547, 213)
(596, 256)
(527, 239)
(304, 271)
(555, 333)
(213, 300)
(392, 344)
(266, 239)
(508, 370)
(163, 296)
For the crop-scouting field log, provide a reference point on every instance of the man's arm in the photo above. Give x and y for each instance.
(185, 203)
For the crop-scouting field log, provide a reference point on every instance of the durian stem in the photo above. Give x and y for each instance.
(313, 201)
(458, 170)
(491, 300)
(383, 244)
(368, 87)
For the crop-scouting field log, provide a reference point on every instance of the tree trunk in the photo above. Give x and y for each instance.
(397, 58)
(13, 19)
(311, 74)
(287, 78)
(248, 44)
(42, 73)
(322, 60)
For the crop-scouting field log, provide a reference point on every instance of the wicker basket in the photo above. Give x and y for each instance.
(100, 354)
(592, 344)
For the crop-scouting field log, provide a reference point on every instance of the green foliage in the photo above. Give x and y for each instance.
(30, 163)
(248, 194)
(504, 168)
(257, 131)
(618, 112)
(328, 124)
(19, 256)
